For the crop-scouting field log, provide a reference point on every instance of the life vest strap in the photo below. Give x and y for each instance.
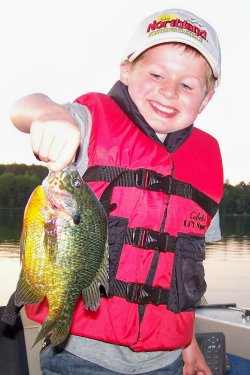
(150, 239)
(141, 294)
(149, 180)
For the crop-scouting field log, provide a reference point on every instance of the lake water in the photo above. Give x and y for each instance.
(227, 263)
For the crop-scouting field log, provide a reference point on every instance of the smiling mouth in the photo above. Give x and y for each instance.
(166, 110)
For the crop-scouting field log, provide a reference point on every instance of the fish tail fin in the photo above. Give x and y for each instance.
(56, 330)
(46, 330)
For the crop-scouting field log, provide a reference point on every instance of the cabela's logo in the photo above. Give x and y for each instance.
(170, 22)
(196, 220)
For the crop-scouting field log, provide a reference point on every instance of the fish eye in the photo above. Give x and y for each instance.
(77, 183)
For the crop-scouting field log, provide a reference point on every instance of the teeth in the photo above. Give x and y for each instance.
(162, 108)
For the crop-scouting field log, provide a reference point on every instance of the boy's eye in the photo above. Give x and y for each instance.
(185, 86)
(156, 76)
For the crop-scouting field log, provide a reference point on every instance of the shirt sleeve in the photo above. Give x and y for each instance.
(83, 119)
(214, 231)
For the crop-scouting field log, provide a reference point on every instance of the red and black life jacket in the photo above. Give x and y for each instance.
(160, 205)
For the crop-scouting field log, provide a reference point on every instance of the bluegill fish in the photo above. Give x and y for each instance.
(65, 250)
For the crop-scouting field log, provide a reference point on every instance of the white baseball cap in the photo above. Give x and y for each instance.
(176, 25)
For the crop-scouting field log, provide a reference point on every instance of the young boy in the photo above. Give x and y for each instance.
(160, 180)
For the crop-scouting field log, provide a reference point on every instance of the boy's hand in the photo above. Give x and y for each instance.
(55, 141)
(194, 362)
(55, 137)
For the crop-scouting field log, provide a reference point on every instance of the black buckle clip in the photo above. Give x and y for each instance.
(146, 179)
(142, 178)
(150, 239)
(140, 237)
(143, 294)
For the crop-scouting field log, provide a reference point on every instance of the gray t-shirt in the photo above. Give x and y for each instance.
(115, 357)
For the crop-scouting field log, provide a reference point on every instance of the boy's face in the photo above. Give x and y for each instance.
(169, 86)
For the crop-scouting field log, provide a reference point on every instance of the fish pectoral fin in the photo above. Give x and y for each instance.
(91, 297)
(26, 293)
(91, 294)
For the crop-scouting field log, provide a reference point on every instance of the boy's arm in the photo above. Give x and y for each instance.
(194, 362)
(55, 136)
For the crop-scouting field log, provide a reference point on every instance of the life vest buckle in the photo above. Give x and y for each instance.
(150, 180)
(149, 239)
(152, 240)
(143, 294)
(142, 178)
(140, 237)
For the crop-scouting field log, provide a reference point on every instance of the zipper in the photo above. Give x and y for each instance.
(168, 199)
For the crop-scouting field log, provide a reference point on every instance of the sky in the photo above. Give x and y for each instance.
(65, 48)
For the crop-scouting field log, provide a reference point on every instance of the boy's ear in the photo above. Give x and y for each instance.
(124, 68)
(206, 100)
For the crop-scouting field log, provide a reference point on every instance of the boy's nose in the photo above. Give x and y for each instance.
(169, 90)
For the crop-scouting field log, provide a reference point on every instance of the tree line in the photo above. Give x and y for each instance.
(236, 199)
(17, 181)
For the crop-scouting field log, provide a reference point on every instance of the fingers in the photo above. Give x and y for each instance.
(36, 136)
(191, 369)
(188, 370)
(63, 157)
(55, 142)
